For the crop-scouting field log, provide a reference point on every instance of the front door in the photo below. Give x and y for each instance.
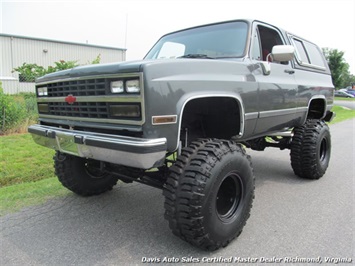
(277, 94)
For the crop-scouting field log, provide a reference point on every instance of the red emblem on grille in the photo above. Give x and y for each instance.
(70, 99)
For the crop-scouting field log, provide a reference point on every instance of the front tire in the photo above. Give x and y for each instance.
(209, 193)
(311, 149)
(82, 176)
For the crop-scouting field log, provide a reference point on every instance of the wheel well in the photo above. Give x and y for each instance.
(212, 117)
(316, 109)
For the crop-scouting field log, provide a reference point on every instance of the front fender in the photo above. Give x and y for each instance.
(181, 104)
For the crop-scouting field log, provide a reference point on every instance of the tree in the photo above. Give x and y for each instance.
(339, 68)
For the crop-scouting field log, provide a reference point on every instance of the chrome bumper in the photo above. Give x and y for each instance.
(128, 151)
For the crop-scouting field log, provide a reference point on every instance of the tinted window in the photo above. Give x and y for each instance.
(218, 40)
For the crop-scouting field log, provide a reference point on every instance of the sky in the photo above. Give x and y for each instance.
(138, 24)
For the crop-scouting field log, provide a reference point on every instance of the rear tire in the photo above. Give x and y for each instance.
(209, 193)
(311, 149)
(82, 176)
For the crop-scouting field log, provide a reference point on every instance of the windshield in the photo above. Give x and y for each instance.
(225, 40)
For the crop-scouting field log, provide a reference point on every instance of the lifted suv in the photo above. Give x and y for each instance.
(179, 120)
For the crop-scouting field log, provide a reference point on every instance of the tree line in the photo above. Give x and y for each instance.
(339, 68)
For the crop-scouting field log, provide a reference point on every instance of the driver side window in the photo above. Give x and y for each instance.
(268, 39)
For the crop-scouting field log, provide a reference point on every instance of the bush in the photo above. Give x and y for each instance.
(31, 106)
(16, 111)
(29, 72)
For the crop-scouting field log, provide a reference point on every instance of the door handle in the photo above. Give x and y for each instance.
(289, 71)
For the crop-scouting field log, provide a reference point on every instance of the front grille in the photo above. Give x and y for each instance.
(79, 109)
(90, 100)
(89, 87)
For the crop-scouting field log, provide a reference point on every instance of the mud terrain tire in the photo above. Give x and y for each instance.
(310, 149)
(82, 176)
(209, 193)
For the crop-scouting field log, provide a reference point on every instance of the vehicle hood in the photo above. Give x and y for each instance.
(95, 70)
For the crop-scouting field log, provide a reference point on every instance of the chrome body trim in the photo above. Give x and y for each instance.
(322, 97)
(103, 76)
(95, 120)
(220, 95)
(310, 65)
(277, 112)
(92, 99)
(298, 58)
(122, 150)
(250, 116)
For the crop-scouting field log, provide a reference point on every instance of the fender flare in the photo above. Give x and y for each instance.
(181, 104)
(317, 97)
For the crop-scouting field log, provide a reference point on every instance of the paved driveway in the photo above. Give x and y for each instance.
(348, 104)
(292, 220)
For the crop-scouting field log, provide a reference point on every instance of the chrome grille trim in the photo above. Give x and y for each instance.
(92, 104)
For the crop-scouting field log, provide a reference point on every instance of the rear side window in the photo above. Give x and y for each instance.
(315, 54)
(301, 51)
(308, 54)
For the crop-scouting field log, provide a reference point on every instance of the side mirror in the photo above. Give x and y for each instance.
(283, 53)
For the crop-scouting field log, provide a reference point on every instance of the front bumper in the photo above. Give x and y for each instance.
(128, 151)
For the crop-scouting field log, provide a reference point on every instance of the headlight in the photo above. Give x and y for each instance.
(42, 91)
(125, 85)
(132, 86)
(117, 86)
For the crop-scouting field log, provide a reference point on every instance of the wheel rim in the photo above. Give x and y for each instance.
(323, 150)
(229, 196)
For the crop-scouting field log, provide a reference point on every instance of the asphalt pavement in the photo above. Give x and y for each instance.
(293, 221)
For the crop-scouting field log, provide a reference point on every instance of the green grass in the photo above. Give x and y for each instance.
(16, 197)
(342, 114)
(27, 175)
(344, 99)
(23, 161)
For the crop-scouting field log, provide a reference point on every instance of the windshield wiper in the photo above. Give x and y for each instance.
(203, 56)
(226, 57)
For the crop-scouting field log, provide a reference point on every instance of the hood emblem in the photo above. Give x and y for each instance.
(70, 99)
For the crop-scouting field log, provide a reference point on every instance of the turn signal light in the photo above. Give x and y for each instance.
(164, 119)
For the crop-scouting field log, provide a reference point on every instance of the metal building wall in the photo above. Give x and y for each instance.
(5, 57)
(16, 50)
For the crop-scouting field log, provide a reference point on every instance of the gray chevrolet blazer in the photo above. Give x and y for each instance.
(181, 118)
